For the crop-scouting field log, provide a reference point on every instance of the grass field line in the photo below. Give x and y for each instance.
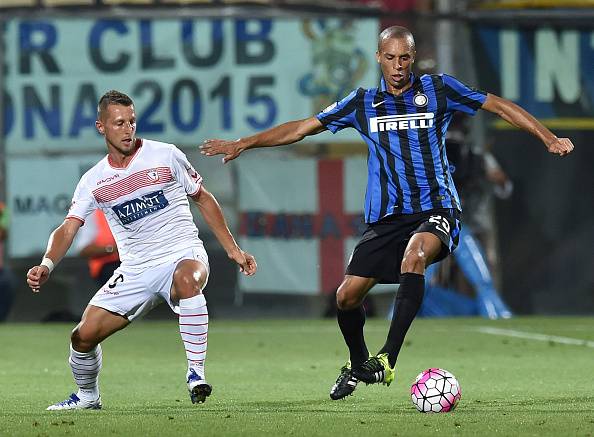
(535, 336)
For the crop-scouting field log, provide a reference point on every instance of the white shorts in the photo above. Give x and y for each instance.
(134, 292)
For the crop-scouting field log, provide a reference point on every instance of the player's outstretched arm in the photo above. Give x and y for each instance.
(286, 133)
(59, 242)
(522, 119)
(213, 216)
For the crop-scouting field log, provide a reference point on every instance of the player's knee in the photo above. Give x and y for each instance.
(83, 339)
(189, 279)
(414, 261)
(346, 300)
(188, 282)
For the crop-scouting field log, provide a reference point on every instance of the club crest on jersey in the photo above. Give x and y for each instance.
(422, 120)
(135, 209)
(420, 100)
(153, 175)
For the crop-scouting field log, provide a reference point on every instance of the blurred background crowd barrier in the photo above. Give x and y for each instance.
(199, 69)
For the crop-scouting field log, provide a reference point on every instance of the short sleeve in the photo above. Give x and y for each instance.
(340, 114)
(185, 173)
(83, 202)
(461, 97)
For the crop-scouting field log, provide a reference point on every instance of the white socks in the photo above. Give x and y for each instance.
(85, 369)
(193, 327)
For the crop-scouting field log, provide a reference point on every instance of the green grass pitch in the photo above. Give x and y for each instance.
(272, 377)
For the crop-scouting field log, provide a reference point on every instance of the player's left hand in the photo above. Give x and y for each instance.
(560, 146)
(246, 261)
(231, 149)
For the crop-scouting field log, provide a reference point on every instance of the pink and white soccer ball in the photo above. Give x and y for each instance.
(435, 391)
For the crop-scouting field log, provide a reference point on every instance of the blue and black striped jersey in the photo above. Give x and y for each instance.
(407, 166)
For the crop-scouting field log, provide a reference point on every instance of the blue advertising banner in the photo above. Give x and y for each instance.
(547, 71)
(191, 79)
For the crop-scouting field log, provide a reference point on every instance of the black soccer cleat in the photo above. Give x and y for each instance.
(345, 384)
(199, 389)
(375, 370)
(199, 393)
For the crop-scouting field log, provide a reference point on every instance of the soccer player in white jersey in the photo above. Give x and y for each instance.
(142, 186)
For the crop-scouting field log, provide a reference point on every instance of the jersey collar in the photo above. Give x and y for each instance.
(384, 87)
(117, 167)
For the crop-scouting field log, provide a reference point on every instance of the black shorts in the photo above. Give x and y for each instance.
(379, 252)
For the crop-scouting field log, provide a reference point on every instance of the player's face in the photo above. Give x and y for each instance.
(396, 57)
(118, 125)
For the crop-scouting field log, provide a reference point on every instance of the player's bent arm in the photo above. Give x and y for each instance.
(520, 118)
(59, 242)
(61, 239)
(213, 216)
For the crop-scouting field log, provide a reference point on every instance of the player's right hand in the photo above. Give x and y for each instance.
(36, 277)
(231, 149)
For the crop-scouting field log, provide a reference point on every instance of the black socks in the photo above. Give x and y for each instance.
(351, 324)
(408, 301)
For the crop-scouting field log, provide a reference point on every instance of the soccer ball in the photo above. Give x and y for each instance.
(435, 391)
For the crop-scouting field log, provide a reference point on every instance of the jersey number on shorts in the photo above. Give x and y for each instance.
(114, 282)
(441, 223)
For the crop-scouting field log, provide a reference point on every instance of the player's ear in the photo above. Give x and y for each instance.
(99, 127)
(377, 57)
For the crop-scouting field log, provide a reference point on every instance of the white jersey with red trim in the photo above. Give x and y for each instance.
(146, 203)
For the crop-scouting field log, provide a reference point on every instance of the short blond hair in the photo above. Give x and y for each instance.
(112, 97)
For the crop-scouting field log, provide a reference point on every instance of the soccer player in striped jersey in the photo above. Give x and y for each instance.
(411, 204)
(142, 187)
